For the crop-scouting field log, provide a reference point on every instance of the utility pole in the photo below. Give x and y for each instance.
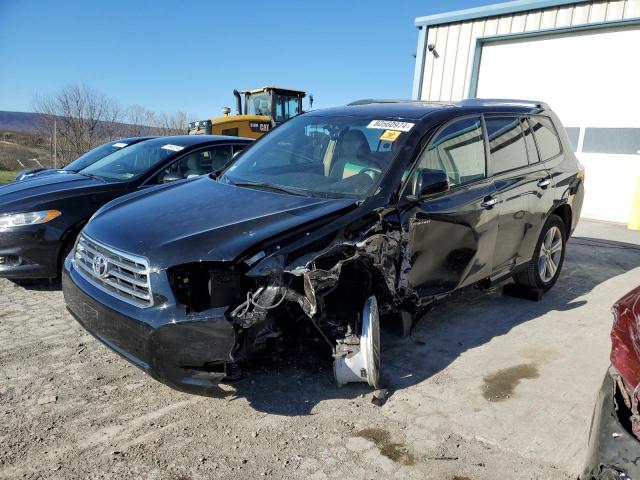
(55, 145)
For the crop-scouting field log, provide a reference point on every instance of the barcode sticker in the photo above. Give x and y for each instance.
(391, 125)
(173, 148)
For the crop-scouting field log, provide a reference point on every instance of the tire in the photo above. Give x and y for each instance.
(67, 246)
(548, 256)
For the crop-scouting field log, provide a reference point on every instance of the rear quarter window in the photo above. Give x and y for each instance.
(546, 137)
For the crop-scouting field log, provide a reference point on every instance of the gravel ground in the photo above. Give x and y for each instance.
(480, 390)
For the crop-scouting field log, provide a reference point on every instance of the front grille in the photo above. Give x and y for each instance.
(123, 275)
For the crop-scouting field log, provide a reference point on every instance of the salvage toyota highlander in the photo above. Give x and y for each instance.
(333, 219)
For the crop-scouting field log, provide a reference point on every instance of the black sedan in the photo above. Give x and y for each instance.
(84, 160)
(40, 217)
(333, 218)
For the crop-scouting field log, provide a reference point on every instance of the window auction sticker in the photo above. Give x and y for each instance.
(119, 145)
(173, 148)
(390, 136)
(391, 125)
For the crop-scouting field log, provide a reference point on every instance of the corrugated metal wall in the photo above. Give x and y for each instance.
(448, 76)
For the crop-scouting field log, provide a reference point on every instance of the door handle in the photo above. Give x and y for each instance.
(544, 183)
(489, 203)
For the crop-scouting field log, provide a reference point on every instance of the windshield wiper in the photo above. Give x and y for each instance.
(91, 175)
(268, 186)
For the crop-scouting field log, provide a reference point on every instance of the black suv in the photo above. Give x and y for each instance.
(332, 219)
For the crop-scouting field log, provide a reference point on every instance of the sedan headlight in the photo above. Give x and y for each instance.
(29, 218)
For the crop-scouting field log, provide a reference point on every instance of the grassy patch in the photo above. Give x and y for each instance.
(7, 175)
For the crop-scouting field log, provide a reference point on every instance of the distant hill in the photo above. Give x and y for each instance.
(19, 121)
(27, 122)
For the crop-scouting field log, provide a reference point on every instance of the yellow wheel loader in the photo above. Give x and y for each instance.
(263, 109)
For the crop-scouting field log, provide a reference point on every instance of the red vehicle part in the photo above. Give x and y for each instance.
(625, 351)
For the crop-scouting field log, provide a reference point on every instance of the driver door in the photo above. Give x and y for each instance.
(451, 235)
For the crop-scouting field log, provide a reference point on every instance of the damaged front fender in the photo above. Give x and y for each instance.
(321, 270)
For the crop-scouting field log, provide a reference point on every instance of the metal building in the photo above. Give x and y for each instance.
(580, 57)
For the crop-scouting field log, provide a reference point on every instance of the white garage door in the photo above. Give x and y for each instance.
(591, 79)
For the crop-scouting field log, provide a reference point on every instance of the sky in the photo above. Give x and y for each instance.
(173, 56)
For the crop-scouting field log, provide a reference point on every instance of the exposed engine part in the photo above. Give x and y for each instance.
(257, 304)
(363, 365)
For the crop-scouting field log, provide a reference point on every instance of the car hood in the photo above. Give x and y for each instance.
(21, 195)
(27, 174)
(203, 220)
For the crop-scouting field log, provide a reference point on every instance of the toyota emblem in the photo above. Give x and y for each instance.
(100, 265)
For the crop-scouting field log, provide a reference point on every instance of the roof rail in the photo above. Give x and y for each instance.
(492, 102)
(368, 101)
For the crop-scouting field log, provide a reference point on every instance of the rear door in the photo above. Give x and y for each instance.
(522, 189)
(451, 235)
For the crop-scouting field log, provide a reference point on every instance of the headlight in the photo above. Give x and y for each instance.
(30, 218)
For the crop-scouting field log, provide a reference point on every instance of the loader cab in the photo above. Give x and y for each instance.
(263, 109)
(277, 103)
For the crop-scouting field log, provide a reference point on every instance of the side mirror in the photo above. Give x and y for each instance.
(171, 177)
(430, 181)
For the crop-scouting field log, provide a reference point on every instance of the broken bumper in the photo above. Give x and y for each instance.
(184, 351)
(614, 453)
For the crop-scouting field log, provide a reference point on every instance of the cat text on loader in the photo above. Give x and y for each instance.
(264, 108)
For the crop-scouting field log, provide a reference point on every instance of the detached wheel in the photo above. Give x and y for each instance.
(544, 269)
(363, 366)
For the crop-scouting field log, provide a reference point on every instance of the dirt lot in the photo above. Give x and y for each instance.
(486, 387)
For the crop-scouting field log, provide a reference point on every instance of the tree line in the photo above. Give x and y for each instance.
(81, 118)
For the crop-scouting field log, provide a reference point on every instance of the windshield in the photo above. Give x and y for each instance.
(333, 156)
(260, 104)
(94, 155)
(129, 163)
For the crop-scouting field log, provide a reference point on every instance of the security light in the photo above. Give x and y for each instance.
(432, 48)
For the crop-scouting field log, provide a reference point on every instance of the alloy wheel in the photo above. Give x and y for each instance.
(550, 254)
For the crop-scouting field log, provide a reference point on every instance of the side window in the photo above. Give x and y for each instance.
(506, 143)
(457, 150)
(528, 139)
(197, 163)
(546, 136)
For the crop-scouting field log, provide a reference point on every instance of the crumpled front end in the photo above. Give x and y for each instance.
(185, 350)
(614, 442)
(318, 281)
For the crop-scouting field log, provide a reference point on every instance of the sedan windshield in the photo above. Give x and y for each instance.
(129, 163)
(94, 155)
(332, 156)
